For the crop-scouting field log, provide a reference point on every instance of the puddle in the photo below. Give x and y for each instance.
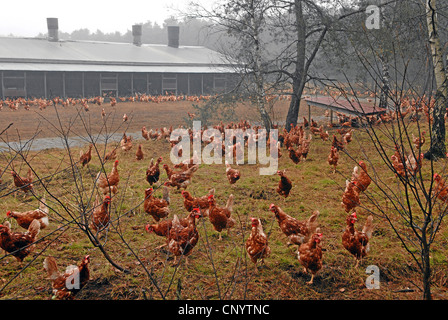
(39, 144)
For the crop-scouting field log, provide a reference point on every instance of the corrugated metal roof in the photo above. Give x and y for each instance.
(43, 55)
(114, 68)
(341, 104)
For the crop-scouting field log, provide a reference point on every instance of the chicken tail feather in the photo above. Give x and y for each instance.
(166, 194)
(34, 229)
(312, 221)
(230, 202)
(51, 267)
(368, 229)
(30, 175)
(43, 206)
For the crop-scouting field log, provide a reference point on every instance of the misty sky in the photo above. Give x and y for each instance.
(27, 18)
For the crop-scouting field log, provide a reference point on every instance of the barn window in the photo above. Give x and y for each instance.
(14, 83)
(219, 83)
(169, 83)
(109, 84)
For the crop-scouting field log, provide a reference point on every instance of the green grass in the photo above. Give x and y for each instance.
(217, 269)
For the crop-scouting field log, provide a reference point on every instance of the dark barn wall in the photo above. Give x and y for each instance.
(182, 84)
(125, 84)
(91, 84)
(34, 84)
(55, 84)
(140, 83)
(74, 84)
(196, 84)
(208, 80)
(155, 83)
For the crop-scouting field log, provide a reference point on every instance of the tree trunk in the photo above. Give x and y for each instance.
(298, 77)
(255, 22)
(437, 148)
(294, 106)
(426, 264)
(385, 84)
(264, 115)
(260, 91)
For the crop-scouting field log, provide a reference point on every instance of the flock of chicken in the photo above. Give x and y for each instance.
(181, 233)
(42, 103)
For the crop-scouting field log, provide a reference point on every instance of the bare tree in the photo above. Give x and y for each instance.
(413, 204)
(244, 24)
(438, 147)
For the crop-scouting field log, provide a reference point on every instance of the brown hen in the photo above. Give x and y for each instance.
(297, 231)
(181, 240)
(66, 285)
(19, 244)
(25, 218)
(284, 185)
(157, 208)
(191, 202)
(153, 171)
(257, 245)
(220, 217)
(310, 255)
(24, 184)
(357, 243)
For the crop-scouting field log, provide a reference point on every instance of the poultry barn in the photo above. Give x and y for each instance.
(53, 67)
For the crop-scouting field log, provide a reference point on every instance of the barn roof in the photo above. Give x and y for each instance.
(39, 54)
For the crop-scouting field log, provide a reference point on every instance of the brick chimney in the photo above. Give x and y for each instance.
(137, 34)
(53, 29)
(173, 36)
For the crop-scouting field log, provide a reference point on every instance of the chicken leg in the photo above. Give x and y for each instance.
(311, 281)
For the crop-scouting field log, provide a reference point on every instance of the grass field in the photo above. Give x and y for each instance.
(217, 269)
